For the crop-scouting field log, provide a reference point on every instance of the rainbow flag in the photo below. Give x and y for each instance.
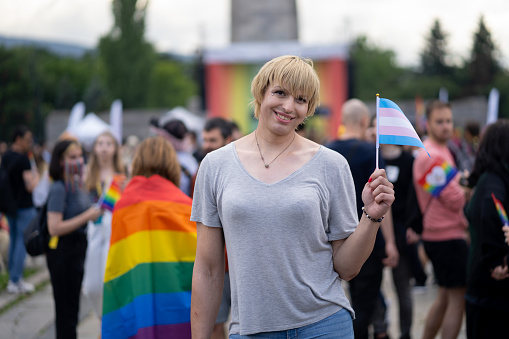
(437, 177)
(500, 210)
(147, 283)
(110, 196)
(393, 127)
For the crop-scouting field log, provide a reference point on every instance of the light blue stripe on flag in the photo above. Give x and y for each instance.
(400, 140)
(386, 103)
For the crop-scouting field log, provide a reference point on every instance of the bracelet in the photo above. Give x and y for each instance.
(373, 220)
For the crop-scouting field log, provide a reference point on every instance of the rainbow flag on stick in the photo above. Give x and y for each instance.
(147, 283)
(437, 177)
(393, 127)
(110, 196)
(500, 210)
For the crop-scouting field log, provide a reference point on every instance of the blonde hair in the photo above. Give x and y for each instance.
(155, 155)
(295, 74)
(93, 164)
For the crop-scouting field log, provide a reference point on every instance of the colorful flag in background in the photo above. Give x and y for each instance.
(110, 196)
(147, 282)
(500, 210)
(393, 127)
(437, 177)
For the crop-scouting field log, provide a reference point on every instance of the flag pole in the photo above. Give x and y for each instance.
(377, 128)
(103, 194)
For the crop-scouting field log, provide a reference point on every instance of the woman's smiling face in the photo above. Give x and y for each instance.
(281, 109)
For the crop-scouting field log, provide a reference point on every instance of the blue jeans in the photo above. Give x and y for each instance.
(338, 325)
(17, 252)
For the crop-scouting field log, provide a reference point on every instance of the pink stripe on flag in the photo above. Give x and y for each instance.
(402, 131)
(390, 113)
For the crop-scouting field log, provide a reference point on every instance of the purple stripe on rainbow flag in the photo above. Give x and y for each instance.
(164, 331)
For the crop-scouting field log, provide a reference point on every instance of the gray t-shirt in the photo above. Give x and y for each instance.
(70, 203)
(278, 237)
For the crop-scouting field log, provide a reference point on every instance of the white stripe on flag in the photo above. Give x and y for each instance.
(397, 122)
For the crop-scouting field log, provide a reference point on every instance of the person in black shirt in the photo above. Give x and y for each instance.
(23, 179)
(360, 154)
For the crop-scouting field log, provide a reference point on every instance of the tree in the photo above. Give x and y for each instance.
(483, 65)
(433, 57)
(373, 70)
(170, 86)
(127, 59)
(17, 91)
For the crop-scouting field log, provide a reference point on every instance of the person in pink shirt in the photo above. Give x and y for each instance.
(444, 227)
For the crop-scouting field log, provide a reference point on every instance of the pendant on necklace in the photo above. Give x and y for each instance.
(266, 166)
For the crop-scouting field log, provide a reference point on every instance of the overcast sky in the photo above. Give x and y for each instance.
(183, 25)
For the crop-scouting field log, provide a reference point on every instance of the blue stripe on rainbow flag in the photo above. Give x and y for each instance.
(150, 310)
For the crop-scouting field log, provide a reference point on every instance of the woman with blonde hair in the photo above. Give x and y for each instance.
(104, 162)
(147, 283)
(286, 209)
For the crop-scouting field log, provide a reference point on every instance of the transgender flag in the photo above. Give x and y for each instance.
(393, 127)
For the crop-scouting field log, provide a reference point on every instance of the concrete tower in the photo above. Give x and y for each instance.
(264, 20)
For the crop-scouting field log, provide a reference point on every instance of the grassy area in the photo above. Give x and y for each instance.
(4, 280)
(4, 276)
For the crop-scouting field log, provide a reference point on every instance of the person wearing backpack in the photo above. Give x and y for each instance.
(22, 179)
(68, 211)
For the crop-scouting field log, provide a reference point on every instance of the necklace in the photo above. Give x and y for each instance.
(259, 150)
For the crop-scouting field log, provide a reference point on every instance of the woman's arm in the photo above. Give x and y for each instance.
(30, 179)
(58, 226)
(208, 279)
(350, 254)
(391, 250)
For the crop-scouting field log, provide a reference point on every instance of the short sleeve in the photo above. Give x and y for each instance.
(24, 164)
(205, 209)
(343, 219)
(56, 197)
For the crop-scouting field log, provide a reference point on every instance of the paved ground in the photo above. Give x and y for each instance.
(32, 317)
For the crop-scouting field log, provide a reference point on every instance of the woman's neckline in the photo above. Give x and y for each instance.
(299, 169)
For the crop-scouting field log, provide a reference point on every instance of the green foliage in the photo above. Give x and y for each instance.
(170, 86)
(33, 82)
(66, 79)
(128, 60)
(17, 85)
(483, 65)
(373, 70)
(433, 57)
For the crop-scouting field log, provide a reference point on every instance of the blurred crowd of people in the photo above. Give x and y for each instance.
(458, 233)
(71, 181)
